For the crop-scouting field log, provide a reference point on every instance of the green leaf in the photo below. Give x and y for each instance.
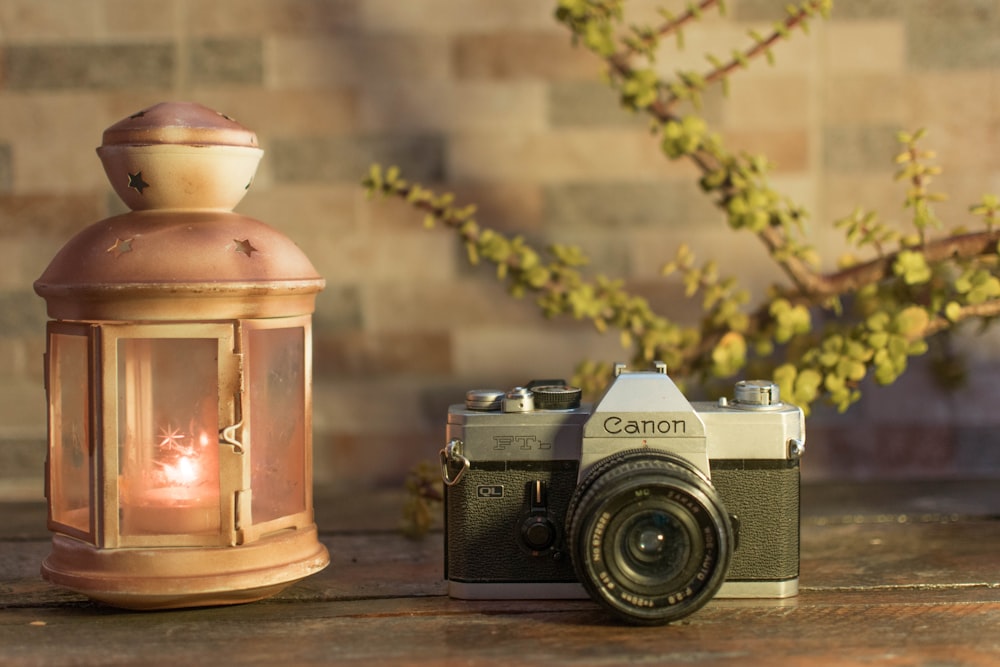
(878, 340)
(878, 321)
(807, 385)
(683, 137)
(472, 253)
(851, 369)
(834, 383)
(911, 322)
(729, 356)
(537, 277)
(953, 311)
(784, 377)
(640, 89)
(912, 267)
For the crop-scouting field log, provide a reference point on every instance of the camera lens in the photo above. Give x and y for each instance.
(650, 539)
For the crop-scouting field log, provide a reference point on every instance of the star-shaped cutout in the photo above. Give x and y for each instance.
(170, 438)
(121, 247)
(135, 181)
(245, 247)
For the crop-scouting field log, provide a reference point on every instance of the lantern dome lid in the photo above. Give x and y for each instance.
(186, 123)
(181, 251)
(176, 264)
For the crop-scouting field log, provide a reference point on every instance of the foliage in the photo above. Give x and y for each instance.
(423, 488)
(818, 333)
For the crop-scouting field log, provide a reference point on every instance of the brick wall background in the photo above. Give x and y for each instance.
(489, 100)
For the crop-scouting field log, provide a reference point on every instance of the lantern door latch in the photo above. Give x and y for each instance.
(228, 436)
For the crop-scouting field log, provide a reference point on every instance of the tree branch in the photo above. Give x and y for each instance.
(803, 276)
(965, 246)
(985, 310)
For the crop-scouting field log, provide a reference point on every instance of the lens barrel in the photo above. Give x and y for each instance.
(649, 537)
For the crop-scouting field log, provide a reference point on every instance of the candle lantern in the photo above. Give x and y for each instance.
(178, 375)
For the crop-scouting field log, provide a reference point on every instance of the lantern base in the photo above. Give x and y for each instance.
(178, 577)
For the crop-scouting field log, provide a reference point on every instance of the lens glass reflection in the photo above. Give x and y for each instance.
(656, 547)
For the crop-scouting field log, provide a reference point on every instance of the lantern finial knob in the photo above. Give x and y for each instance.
(179, 155)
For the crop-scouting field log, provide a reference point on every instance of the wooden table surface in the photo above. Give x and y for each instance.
(892, 574)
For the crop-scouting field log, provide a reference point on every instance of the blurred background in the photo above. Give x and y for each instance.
(489, 100)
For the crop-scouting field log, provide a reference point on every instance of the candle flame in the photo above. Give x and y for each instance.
(184, 472)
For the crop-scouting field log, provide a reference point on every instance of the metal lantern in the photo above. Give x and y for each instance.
(178, 376)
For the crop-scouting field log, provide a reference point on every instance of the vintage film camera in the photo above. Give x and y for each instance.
(645, 502)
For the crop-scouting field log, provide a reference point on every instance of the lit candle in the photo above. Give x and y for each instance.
(181, 491)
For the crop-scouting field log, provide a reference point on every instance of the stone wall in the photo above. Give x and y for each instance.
(489, 100)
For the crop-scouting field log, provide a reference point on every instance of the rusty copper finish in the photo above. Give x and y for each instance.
(143, 266)
(179, 155)
(179, 123)
(180, 265)
(183, 245)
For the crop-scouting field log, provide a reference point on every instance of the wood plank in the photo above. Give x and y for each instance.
(439, 631)
(383, 598)
(909, 577)
(851, 557)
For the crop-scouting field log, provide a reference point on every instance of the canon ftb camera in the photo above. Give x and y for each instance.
(646, 502)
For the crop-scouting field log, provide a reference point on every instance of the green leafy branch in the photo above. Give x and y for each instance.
(738, 182)
(553, 276)
(690, 85)
(423, 491)
(819, 334)
(918, 172)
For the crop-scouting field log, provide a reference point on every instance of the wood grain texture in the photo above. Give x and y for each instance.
(904, 575)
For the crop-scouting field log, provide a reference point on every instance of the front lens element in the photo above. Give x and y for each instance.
(655, 546)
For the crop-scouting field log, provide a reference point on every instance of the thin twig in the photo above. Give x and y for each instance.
(759, 48)
(667, 28)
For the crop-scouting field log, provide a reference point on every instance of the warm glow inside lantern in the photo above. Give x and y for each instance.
(178, 371)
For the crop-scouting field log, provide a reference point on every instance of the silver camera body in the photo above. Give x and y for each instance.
(647, 503)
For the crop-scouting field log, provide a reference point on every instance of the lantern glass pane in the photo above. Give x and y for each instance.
(70, 461)
(276, 386)
(168, 425)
